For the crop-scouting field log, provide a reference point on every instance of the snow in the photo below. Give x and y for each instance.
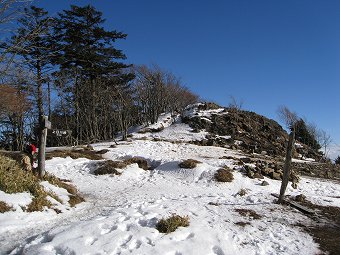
(121, 212)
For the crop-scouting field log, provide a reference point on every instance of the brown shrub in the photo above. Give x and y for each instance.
(249, 213)
(5, 207)
(74, 154)
(242, 224)
(189, 163)
(224, 175)
(242, 192)
(109, 167)
(142, 163)
(75, 199)
(171, 223)
(103, 151)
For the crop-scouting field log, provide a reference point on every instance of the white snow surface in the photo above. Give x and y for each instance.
(121, 212)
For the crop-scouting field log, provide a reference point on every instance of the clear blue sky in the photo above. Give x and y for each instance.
(267, 53)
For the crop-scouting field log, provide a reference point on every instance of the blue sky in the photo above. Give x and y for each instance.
(266, 53)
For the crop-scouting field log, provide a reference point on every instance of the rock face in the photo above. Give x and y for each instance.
(257, 169)
(248, 131)
(244, 130)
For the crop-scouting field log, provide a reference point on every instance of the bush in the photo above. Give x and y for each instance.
(5, 207)
(189, 163)
(337, 160)
(74, 154)
(242, 192)
(249, 213)
(109, 167)
(171, 223)
(142, 163)
(224, 175)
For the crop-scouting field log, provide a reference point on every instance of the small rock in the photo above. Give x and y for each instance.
(264, 183)
(300, 198)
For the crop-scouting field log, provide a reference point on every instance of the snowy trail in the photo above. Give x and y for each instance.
(121, 212)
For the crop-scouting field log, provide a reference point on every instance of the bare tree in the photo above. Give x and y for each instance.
(235, 104)
(325, 141)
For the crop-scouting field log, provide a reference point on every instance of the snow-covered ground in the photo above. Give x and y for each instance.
(121, 212)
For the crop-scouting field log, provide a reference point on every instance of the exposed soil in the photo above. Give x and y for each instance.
(326, 231)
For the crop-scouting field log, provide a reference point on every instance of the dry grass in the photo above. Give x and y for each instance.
(142, 163)
(74, 154)
(75, 199)
(224, 175)
(189, 163)
(110, 167)
(14, 180)
(5, 207)
(248, 213)
(242, 224)
(242, 192)
(171, 223)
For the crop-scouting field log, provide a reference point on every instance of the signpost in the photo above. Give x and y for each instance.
(44, 125)
(60, 132)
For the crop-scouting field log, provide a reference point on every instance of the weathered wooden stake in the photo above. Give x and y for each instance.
(286, 168)
(44, 125)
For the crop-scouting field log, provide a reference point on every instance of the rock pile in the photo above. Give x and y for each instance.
(243, 130)
(259, 168)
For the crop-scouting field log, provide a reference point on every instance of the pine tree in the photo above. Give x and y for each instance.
(303, 135)
(337, 160)
(85, 44)
(88, 50)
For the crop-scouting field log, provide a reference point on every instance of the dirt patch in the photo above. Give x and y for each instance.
(326, 230)
(248, 213)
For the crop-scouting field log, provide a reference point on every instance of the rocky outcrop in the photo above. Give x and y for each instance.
(244, 130)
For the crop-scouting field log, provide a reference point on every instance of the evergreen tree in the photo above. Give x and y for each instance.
(303, 135)
(85, 44)
(337, 160)
(87, 50)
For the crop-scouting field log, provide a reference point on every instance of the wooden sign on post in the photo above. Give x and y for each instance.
(59, 132)
(44, 126)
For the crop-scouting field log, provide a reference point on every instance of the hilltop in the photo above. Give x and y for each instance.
(175, 167)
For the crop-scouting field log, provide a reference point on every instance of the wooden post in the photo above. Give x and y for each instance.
(286, 168)
(44, 125)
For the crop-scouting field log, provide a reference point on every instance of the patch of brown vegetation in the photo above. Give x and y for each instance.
(75, 199)
(189, 163)
(214, 204)
(74, 154)
(14, 180)
(170, 224)
(224, 175)
(142, 163)
(242, 192)
(248, 213)
(242, 223)
(109, 167)
(5, 207)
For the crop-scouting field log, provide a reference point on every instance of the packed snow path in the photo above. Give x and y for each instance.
(121, 212)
